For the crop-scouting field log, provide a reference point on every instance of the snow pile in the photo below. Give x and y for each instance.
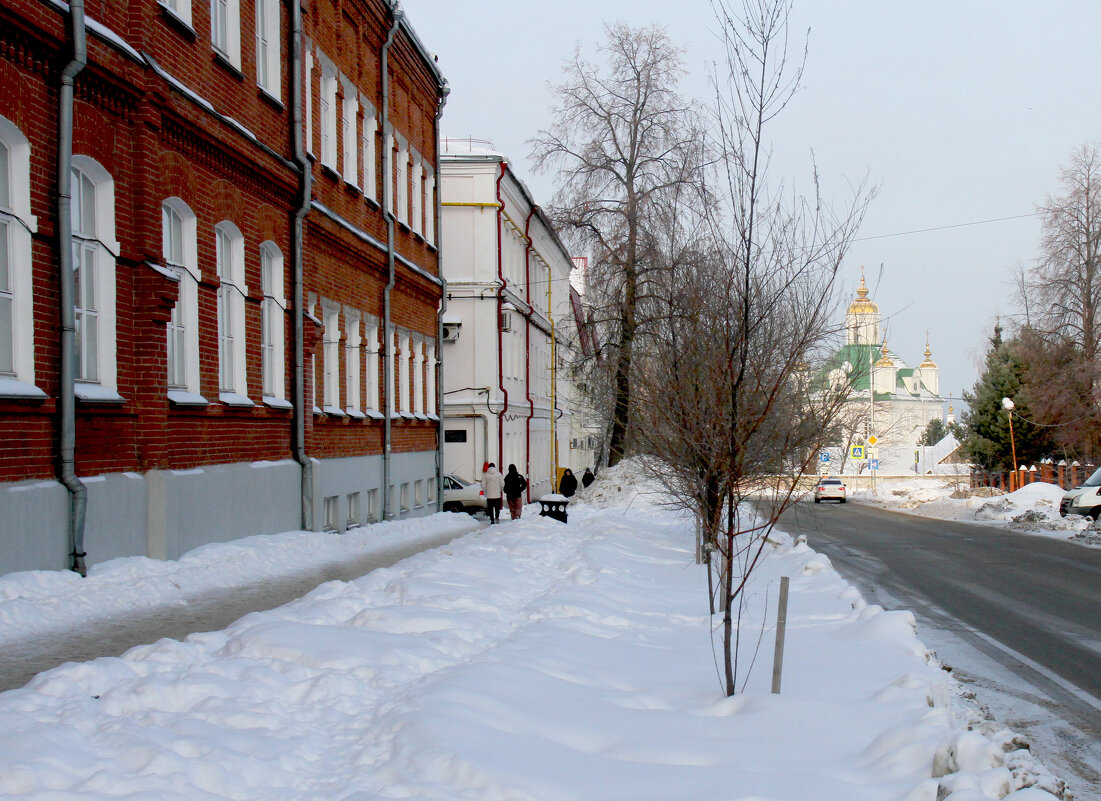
(619, 487)
(40, 601)
(1033, 508)
(531, 660)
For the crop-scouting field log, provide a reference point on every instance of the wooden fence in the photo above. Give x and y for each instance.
(1065, 475)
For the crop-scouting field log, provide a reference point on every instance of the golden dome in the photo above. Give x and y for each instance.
(928, 363)
(884, 359)
(861, 305)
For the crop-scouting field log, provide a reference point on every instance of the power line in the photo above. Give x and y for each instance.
(946, 227)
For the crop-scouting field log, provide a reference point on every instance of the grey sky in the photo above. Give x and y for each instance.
(959, 111)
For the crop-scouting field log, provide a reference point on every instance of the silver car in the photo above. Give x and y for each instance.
(460, 495)
(829, 489)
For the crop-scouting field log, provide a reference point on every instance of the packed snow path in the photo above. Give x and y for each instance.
(527, 661)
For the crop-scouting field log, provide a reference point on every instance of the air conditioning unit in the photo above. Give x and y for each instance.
(451, 332)
(506, 321)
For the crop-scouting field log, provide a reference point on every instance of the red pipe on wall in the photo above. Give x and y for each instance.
(500, 314)
(527, 349)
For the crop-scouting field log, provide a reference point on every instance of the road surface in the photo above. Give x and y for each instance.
(1017, 616)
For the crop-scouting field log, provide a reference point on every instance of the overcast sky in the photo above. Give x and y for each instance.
(960, 112)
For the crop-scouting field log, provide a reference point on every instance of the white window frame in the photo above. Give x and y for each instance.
(418, 194)
(308, 92)
(371, 388)
(405, 341)
(327, 114)
(180, 9)
(418, 493)
(432, 490)
(430, 379)
(226, 42)
(353, 363)
(401, 168)
(269, 48)
(182, 334)
(18, 227)
(418, 377)
(370, 131)
(273, 317)
(372, 506)
(230, 260)
(350, 123)
(389, 181)
(96, 371)
(429, 205)
(354, 512)
(330, 359)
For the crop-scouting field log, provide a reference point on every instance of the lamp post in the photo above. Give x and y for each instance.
(1007, 404)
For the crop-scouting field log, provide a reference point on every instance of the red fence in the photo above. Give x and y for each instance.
(1065, 475)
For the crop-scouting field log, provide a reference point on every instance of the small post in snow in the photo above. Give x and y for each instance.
(781, 628)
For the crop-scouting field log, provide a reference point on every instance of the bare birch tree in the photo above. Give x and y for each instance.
(622, 136)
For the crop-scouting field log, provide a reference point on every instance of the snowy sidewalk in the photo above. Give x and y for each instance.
(528, 661)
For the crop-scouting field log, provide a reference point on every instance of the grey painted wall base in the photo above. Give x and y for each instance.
(163, 514)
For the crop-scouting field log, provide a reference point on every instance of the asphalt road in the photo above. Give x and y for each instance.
(1030, 603)
(23, 660)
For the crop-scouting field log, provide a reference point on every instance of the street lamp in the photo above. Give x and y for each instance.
(1007, 404)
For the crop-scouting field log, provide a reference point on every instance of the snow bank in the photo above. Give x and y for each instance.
(530, 660)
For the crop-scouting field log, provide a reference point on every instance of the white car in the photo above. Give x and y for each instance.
(829, 489)
(1085, 499)
(460, 495)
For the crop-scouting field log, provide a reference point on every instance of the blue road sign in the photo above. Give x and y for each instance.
(875, 464)
(823, 457)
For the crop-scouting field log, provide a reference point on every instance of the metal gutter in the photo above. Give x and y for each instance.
(78, 493)
(297, 244)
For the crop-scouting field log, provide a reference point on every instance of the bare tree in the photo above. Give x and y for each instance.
(746, 405)
(622, 137)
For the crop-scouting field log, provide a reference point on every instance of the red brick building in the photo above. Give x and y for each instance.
(219, 282)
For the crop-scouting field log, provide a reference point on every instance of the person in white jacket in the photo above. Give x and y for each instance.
(493, 485)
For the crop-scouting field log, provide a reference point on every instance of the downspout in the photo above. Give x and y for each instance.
(527, 348)
(437, 211)
(388, 210)
(306, 191)
(78, 493)
(501, 283)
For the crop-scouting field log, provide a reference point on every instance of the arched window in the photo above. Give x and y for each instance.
(230, 256)
(16, 304)
(272, 325)
(178, 235)
(94, 254)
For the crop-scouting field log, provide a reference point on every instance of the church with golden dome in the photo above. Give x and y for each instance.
(891, 401)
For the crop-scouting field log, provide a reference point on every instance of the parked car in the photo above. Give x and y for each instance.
(1083, 500)
(460, 495)
(829, 489)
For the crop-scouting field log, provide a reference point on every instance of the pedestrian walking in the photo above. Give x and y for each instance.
(492, 484)
(568, 485)
(588, 478)
(515, 484)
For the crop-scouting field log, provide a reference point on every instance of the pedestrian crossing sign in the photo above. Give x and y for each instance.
(856, 452)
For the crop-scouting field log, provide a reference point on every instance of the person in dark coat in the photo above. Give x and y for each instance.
(588, 478)
(515, 484)
(568, 485)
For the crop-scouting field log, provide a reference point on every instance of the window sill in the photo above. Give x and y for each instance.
(225, 61)
(277, 403)
(270, 99)
(419, 416)
(372, 202)
(334, 411)
(356, 413)
(331, 171)
(14, 389)
(374, 415)
(317, 411)
(233, 399)
(178, 22)
(435, 418)
(94, 393)
(352, 189)
(179, 397)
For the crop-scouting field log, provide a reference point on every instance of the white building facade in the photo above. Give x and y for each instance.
(507, 394)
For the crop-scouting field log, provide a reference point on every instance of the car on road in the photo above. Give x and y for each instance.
(460, 495)
(1084, 500)
(829, 489)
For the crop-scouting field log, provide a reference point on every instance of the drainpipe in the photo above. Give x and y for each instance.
(78, 493)
(501, 283)
(306, 192)
(437, 211)
(527, 347)
(388, 209)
